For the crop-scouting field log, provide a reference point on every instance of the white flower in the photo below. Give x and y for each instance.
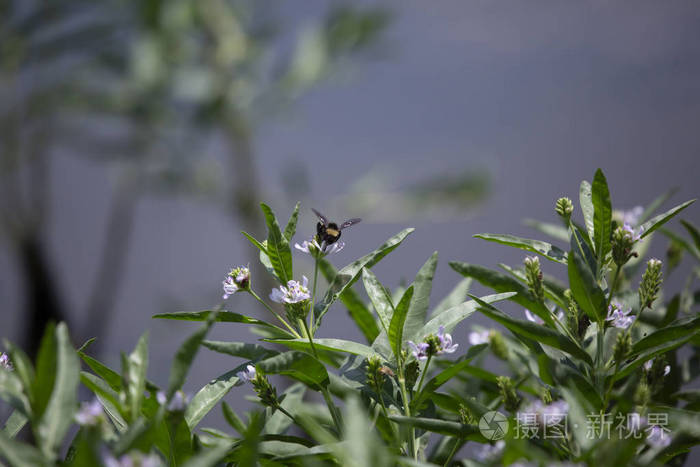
(5, 362)
(178, 402)
(446, 345)
(294, 292)
(479, 337)
(133, 459)
(657, 437)
(89, 414)
(237, 279)
(619, 317)
(648, 363)
(246, 375)
(325, 249)
(490, 452)
(420, 350)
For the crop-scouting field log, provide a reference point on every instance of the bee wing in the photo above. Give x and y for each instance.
(350, 222)
(320, 216)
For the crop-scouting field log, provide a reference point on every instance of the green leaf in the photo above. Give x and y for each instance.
(23, 367)
(675, 331)
(656, 204)
(358, 311)
(504, 283)
(444, 376)
(450, 318)
(443, 427)
(185, 356)
(207, 397)
(110, 376)
(251, 352)
(58, 416)
(454, 298)
(379, 296)
(534, 331)
(681, 242)
(422, 286)
(350, 273)
(397, 323)
(221, 317)
(255, 242)
(135, 372)
(694, 233)
(333, 345)
(586, 201)
(21, 454)
(656, 222)
(291, 227)
(14, 423)
(277, 247)
(45, 371)
(297, 365)
(584, 287)
(549, 251)
(232, 418)
(292, 398)
(602, 216)
(107, 397)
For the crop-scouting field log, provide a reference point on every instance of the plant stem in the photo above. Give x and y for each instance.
(406, 407)
(284, 411)
(452, 452)
(422, 375)
(313, 295)
(282, 320)
(613, 286)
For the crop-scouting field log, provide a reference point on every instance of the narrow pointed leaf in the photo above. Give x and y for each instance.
(455, 315)
(657, 221)
(455, 297)
(444, 427)
(602, 216)
(185, 356)
(291, 227)
(694, 233)
(380, 298)
(136, 375)
(207, 397)
(420, 302)
(586, 202)
(253, 352)
(333, 345)
(277, 246)
(297, 365)
(397, 322)
(584, 287)
(547, 250)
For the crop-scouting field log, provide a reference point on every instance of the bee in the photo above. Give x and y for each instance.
(328, 232)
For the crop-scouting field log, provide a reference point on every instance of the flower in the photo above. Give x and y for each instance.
(479, 337)
(490, 452)
(90, 413)
(237, 279)
(295, 292)
(657, 437)
(325, 249)
(632, 216)
(619, 317)
(536, 319)
(446, 345)
(649, 363)
(420, 351)
(5, 362)
(177, 403)
(247, 375)
(636, 235)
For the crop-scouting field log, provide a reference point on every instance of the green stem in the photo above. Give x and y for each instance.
(313, 295)
(453, 451)
(282, 320)
(422, 375)
(406, 408)
(284, 411)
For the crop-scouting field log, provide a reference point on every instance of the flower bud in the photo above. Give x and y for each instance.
(623, 240)
(572, 313)
(623, 345)
(642, 395)
(564, 208)
(533, 274)
(498, 345)
(651, 283)
(266, 393)
(465, 415)
(510, 398)
(546, 396)
(376, 373)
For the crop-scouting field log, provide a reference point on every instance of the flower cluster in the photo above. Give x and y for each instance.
(651, 283)
(533, 274)
(90, 413)
(622, 242)
(5, 362)
(295, 292)
(246, 375)
(265, 391)
(313, 248)
(619, 317)
(237, 279)
(433, 345)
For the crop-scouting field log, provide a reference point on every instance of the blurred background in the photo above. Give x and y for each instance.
(138, 137)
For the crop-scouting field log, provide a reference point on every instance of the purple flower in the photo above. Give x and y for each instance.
(295, 292)
(90, 413)
(237, 279)
(446, 345)
(178, 402)
(635, 235)
(620, 318)
(536, 319)
(5, 362)
(479, 337)
(325, 249)
(657, 437)
(648, 363)
(246, 375)
(420, 350)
